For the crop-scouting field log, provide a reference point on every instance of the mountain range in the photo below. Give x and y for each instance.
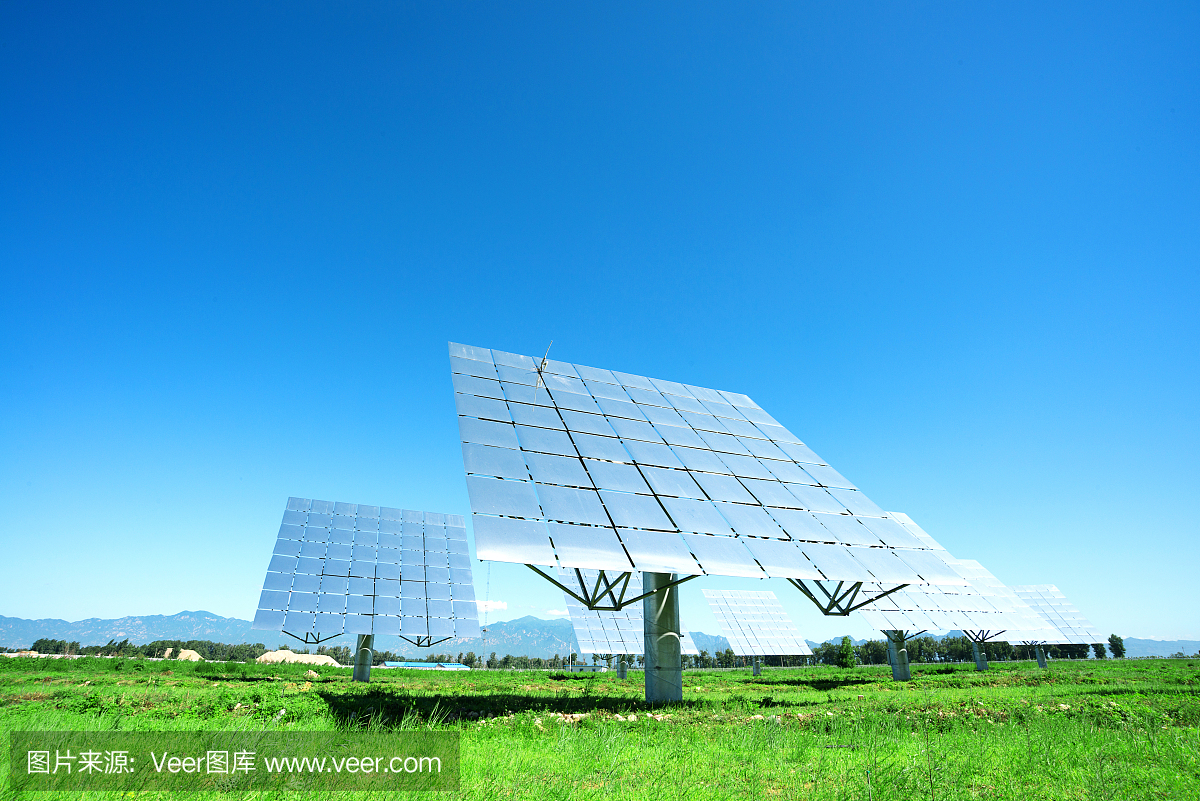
(529, 636)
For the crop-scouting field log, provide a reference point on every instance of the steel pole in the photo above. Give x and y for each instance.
(363, 657)
(664, 668)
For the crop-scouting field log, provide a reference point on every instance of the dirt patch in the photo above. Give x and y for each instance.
(22, 698)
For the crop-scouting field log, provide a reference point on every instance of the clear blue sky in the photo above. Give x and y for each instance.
(954, 248)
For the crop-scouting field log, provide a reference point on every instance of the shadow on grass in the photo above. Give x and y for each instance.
(387, 707)
(821, 685)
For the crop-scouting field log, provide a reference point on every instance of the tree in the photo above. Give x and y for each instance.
(1098, 650)
(845, 657)
(872, 652)
(1117, 646)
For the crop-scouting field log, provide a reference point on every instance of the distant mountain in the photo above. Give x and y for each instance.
(1136, 647)
(834, 641)
(526, 636)
(708, 642)
(16, 632)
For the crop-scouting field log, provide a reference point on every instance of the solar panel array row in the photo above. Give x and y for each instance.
(1068, 622)
(354, 569)
(984, 605)
(756, 624)
(582, 467)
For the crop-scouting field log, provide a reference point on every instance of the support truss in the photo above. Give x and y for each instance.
(901, 636)
(311, 639)
(983, 635)
(423, 642)
(609, 593)
(842, 599)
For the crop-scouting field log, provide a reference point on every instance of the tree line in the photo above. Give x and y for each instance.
(871, 652)
(208, 650)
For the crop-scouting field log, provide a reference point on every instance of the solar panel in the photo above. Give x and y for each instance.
(573, 466)
(918, 532)
(622, 631)
(1068, 623)
(984, 609)
(756, 624)
(342, 568)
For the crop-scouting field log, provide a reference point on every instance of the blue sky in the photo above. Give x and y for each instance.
(953, 248)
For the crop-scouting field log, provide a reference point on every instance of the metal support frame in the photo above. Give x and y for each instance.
(898, 654)
(363, 657)
(310, 638)
(614, 589)
(315, 639)
(660, 613)
(839, 601)
(423, 642)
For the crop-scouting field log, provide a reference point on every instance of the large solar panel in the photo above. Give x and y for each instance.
(984, 608)
(344, 568)
(601, 631)
(1067, 622)
(756, 624)
(575, 466)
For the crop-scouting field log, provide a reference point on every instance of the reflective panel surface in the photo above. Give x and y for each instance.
(650, 474)
(1069, 623)
(755, 623)
(342, 568)
(983, 607)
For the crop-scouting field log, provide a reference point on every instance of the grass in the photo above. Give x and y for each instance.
(1114, 729)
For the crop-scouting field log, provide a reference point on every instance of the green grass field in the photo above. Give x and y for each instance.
(1115, 729)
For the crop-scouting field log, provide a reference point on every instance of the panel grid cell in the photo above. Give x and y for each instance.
(660, 463)
(358, 569)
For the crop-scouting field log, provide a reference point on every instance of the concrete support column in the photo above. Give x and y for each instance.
(1041, 656)
(664, 668)
(363, 656)
(622, 669)
(903, 668)
(757, 668)
(898, 655)
(980, 657)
